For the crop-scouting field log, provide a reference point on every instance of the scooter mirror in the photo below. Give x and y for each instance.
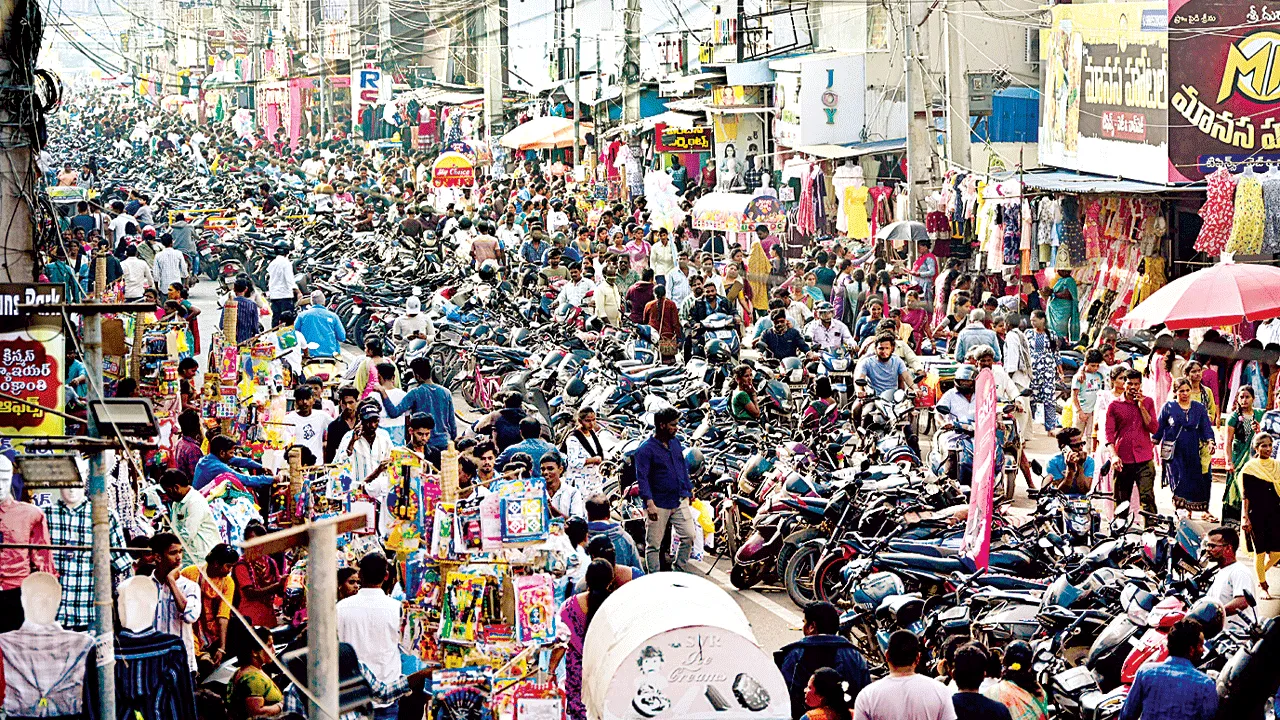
(1122, 508)
(943, 409)
(313, 346)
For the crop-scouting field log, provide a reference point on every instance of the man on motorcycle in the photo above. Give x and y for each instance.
(827, 333)
(783, 341)
(956, 425)
(1234, 580)
(320, 325)
(413, 324)
(976, 333)
(884, 370)
(984, 358)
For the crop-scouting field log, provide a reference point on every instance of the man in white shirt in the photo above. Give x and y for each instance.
(369, 622)
(904, 695)
(557, 219)
(566, 500)
(827, 333)
(312, 166)
(1233, 584)
(413, 323)
(368, 447)
(170, 266)
(122, 224)
(282, 286)
(308, 423)
(136, 275)
(179, 603)
(510, 235)
(574, 293)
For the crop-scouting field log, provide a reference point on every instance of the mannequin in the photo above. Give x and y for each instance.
(729, 171)
(152, 677)
(48, 671)
(71, 523)
(766, 185)
(20, 523)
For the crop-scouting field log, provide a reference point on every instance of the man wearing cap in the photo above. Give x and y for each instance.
(827, 333)
(413, 324)
(976, 333)
(320, 325)
(368, 448)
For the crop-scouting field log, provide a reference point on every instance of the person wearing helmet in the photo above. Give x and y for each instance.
(488, 271)
(282, 285)
(959, 402)
(827, 333)
(413, 324)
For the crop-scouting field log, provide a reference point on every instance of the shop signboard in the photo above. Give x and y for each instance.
(1105, 105)
(369, 86)
(682, 140)
(32, 359)
(453, 169)
(1224, 86)
(820, 99)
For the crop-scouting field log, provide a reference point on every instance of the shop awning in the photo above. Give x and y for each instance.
(738, 212)
(1069, 181)
(544, 133)
(839, 152)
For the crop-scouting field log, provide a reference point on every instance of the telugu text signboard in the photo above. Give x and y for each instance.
(675, 139)
(32, 359)
(1224, 86)
(1105, 103)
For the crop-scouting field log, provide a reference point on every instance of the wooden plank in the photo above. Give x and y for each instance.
(299, 535)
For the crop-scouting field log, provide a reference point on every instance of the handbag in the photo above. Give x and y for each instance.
(1166, 446)
(667, 347)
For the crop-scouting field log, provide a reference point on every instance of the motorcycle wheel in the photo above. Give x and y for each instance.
(798, 574)
(828, 584)
(729, 531)
(744, 577)
(792, 543)
(1010, 484)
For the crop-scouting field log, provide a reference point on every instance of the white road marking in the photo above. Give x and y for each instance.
(793, 619)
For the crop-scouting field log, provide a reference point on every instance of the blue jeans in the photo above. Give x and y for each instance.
(391, 712)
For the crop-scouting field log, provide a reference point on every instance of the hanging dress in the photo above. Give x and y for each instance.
(1271, 201)
(1218, 211)
(855, 206)
(1250, 218)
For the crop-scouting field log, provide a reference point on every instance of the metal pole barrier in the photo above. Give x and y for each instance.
(103, 627)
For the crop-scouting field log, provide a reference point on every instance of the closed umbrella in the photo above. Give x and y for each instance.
(1225, 294)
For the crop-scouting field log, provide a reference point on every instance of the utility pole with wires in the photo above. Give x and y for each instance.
(631, 63)
(19, 116)
(922, 169)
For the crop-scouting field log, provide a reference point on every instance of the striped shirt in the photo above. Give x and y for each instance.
(169, 620)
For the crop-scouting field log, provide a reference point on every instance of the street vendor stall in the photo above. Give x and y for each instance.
(737, 215)
(674, 645)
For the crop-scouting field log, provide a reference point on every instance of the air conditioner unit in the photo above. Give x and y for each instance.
(1031, 47)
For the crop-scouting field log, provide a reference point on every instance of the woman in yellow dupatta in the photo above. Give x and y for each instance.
(1260, 481)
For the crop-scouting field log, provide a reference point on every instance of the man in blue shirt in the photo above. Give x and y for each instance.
(665, 489)
(531, 443)
(1174, 689)
(884, 370)
(320, 325)
(533, 249)
(783, 341)
(822, 646)
(976, 333)
(1071, 470)
(221, 459)
(427, 398)
(247, 323)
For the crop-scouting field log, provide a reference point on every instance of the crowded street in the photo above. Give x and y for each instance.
(657, 362)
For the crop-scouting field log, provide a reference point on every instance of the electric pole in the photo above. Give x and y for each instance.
(920, 166)
(631, 63)
(577, 99)
(957, 88)
(492, 67)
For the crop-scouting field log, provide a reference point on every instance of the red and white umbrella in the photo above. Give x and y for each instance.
(1225, 294)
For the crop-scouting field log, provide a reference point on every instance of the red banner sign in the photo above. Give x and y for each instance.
(977, 533)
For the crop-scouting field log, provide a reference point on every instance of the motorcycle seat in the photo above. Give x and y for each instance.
(807, 505)
(939, 565)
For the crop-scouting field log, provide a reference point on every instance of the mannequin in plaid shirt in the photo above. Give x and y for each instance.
(71, 523)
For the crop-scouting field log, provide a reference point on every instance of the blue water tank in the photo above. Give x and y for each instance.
(1015, 117)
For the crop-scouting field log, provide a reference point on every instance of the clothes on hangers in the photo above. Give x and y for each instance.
(1250, 218)
(1217, 212)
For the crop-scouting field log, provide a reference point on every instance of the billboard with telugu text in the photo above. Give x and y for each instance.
(1224, 87)
(1105, 103)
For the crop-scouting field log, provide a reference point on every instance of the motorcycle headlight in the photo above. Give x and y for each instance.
(839, 364)
(744, 486)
